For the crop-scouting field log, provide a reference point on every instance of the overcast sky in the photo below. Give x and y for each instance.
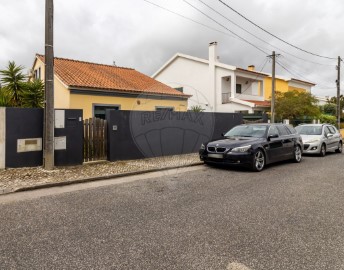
(137, 34)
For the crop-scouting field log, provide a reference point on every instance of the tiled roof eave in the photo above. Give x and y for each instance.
(129, 91)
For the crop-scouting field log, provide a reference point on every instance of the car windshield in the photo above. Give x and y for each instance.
(257, 131)
(309, 130)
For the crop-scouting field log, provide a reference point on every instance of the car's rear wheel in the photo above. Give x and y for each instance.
(297, 154)
(322, 150)
(258, 161)
(340, 148)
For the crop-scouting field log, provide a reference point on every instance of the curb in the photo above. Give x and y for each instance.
(92, 179)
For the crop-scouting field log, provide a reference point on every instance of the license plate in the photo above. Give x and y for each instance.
(215, 155)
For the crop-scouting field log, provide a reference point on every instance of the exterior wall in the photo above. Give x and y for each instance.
(87, 102)
(299, 86)
(281, 86)
(61, 95)
(193, 77)
(142, 134)
(284, 86)
(61, 92)
(233, 107)
(220, 88)
(2, 137)
(21, 138)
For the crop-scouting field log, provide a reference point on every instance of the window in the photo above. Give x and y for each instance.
(273, 131)
(180, 89)
(332, 129)
(37, 74)
(99, 110)
(327, 131)
(238, 88)
(291, 129)
(282, 130)
(161, 108)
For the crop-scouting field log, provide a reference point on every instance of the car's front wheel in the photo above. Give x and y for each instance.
(258, 161)
(322, 150)
(340, 148)
(297, 154)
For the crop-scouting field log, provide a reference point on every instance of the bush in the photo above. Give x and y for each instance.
(329, 119)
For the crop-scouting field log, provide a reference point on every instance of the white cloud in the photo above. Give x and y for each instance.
(142, 36)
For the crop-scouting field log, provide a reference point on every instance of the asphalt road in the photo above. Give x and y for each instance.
(290, 216)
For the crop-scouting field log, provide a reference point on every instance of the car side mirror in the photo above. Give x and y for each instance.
(222, 134)
(329, 135)
(272, 136)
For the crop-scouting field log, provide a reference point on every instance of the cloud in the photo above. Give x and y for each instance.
(136, 34)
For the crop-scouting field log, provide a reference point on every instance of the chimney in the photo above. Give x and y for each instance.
(212, 52)
(251, 67)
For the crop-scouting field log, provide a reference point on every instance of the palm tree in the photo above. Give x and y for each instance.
(13, 80)
(33, 94)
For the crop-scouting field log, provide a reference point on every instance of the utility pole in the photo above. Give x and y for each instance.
(48, 150)
(338, 93)
(273, 75)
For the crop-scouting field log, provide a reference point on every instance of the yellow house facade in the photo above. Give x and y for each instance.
(95, 87)
(283, 84)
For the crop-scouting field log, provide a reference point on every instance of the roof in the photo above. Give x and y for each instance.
(252, 72)
(229, 67)
(258, 103)
(192, 58)
(86, 75)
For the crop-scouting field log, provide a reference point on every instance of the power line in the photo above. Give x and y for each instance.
(262, 40)
(301, 75)
(189, 19)
(294, 46)
(245, 40)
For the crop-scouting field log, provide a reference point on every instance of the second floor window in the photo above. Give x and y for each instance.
(238, 88)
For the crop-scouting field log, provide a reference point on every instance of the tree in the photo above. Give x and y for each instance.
(13, 80)
(33, 94)
(5, 98)
(196, 108)
(295, 105)
(333, 100)
(329, 109)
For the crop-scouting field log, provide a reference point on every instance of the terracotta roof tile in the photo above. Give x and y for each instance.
(79, 74)
(258, 103)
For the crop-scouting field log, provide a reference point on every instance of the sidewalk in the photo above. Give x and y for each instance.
(12, 180)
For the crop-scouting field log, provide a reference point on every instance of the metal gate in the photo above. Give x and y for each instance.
(95, 139)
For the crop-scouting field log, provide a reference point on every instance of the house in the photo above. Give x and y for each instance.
(219, 87)
(97, 87)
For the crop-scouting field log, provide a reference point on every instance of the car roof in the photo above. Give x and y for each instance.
(314, 125)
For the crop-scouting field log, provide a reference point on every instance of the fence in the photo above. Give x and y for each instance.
(95, 139)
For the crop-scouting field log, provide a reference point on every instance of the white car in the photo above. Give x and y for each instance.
(320, 138)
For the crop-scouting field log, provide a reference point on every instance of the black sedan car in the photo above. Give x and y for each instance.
(254, 145)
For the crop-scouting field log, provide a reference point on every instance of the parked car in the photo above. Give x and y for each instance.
(254, 145)
(320, 138)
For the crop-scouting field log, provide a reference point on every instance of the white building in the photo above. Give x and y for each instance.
(213, 85)
(219, 87)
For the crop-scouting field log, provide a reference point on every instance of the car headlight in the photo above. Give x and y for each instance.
(202, 146)
(313, 141)
(241, 149)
